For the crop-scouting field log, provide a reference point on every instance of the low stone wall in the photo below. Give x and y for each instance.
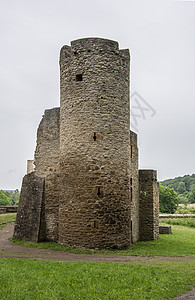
(8, 209)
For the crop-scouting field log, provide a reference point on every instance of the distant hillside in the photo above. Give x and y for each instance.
(180, 184)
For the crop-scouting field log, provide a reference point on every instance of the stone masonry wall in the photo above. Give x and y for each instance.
(47, 165)
(134, 187)
(95, 208)
(29, 225)
(148, 205)
(48, 143)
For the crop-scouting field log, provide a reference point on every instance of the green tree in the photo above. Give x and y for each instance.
(15, 197)
(168, 200)
(4, 200)
(191, 195)
(181, 188)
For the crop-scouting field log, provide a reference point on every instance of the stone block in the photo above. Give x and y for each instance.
(165, 229)
(29, 225)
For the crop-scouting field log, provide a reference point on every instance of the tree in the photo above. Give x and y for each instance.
(15, 197)
(191, 195)
(4, 200)
(168, 199)
(181, 188)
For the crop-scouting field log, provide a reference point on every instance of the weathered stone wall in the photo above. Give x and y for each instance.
(30, 166)
(134, 187)
(48, 143)
(94, 145)
(51, 207)
(165, 229)
(30, 216)
(47, 165)
(148, 205)
(8, 209)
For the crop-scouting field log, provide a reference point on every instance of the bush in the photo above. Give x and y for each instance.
(168, 200)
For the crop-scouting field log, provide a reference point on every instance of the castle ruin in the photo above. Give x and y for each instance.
(86, 189)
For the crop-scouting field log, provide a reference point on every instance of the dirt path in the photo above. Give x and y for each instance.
(10, 250)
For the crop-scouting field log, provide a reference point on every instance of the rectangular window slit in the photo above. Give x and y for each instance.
(99, 191)
(131, 151)
(94, 136)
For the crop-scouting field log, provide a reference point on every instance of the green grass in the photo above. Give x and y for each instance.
(182, 222)
(33, 279)
(180, 243)
(6, 219)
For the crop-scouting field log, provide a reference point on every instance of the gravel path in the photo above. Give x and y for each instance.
(11, 250)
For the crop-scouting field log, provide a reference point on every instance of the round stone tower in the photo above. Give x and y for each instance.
(94, 208)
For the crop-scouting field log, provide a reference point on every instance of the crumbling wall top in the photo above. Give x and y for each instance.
(90, 46)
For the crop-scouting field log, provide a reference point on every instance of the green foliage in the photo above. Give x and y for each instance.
(186, 209)
(35, 279)
(184, 186)
(181, 188)
(180, 243)
(181, 222)
(6, 219)
(10, 197)
(191, 196)
(4, 200)
(168, 200)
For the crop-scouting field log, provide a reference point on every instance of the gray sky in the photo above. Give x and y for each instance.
(161, 39)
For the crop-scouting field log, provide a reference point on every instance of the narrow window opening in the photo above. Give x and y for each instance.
(95, 224)
(131, 181)
(131, 194)
(131, 151)
(99, 191)
(94, 136)
(79, 77)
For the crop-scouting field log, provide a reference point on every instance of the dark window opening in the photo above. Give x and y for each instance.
(95, 224)
(131, 194)
(131, 151)
(131, 181)
(94, 136)
(99, 191)
(79, 77)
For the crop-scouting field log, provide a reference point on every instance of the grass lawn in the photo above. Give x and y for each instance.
(143, 279)
(167, 245)
(33, 279)
(6, 219)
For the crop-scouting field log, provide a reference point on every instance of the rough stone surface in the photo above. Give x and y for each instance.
(30, 210)
(88, 158)
(30, 166)
(94, 145)
(8, 209)
(134, 187)
(148, 205)
(47, 149)
(165, 229)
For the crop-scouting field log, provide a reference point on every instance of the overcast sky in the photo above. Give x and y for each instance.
(161, 39)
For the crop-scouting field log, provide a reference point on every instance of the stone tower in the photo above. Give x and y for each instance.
(86, 189)
(94, 207)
